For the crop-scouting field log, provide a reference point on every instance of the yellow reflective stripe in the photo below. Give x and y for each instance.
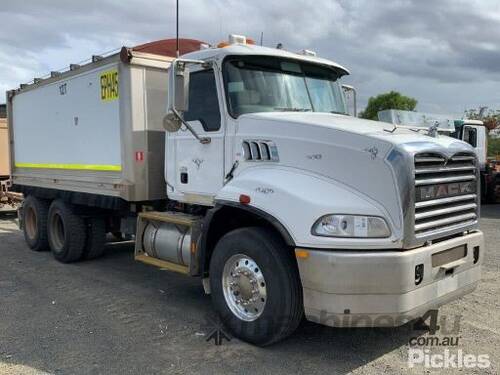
(85, 167)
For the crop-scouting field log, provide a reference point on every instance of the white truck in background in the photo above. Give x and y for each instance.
(473, 132)
(262, 186)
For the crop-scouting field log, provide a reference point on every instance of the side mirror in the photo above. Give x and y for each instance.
(181, 89)
(351, 89)
(171, 123)
(178, 96)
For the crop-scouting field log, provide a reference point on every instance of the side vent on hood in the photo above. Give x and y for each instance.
(259, 150)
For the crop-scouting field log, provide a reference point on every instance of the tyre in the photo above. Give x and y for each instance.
(35, 214)
(255, 285)
(67, 233)
(96, 238)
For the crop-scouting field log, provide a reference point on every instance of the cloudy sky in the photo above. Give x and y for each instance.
(445, 53)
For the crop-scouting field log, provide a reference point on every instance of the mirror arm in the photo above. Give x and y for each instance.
(202, 140)
(177, 63)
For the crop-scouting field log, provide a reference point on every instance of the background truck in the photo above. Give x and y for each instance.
(8, 200)
(255, 187)
(471, 131)
(475, 133)
(4, 145)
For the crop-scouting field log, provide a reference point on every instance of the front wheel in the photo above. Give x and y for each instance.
(255, 285)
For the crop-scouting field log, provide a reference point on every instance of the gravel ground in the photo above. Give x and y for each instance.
(116, 316)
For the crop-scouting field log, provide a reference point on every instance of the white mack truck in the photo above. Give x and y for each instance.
(262, 186)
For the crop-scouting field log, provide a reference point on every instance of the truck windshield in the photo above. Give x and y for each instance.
(268, 84)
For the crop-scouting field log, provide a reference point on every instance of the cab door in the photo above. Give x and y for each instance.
(195, 171)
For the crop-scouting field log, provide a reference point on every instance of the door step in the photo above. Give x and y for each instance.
(163, 264)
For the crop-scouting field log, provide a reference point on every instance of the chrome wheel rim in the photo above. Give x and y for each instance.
(30, 222)
(244, 287)
(57, 231)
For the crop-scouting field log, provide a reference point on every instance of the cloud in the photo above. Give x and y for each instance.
(445, 53)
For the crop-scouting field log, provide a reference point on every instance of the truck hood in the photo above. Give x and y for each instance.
(349, 124)
(362, 156)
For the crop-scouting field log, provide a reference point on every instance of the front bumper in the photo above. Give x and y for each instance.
(378, 289)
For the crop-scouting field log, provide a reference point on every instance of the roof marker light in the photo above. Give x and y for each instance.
(237, 39)
(308, 52)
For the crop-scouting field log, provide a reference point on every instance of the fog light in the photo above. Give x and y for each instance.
(476, 254)
(419, 273)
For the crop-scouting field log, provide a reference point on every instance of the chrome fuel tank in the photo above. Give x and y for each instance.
(168, 241)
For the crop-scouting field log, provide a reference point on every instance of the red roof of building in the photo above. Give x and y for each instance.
(167, 47)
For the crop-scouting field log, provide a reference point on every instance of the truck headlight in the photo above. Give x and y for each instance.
(351, 226)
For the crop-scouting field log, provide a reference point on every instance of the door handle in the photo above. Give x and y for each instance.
(184, 178)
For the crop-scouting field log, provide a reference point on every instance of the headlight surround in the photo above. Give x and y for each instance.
(351, 226)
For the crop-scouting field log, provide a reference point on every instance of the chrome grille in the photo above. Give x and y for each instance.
(445, 192)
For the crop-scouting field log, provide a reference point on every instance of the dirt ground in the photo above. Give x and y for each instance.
(115, 316)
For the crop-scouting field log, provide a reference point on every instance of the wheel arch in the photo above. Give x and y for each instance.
(227, 216)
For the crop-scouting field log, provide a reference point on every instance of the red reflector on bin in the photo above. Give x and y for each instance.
(139, 156)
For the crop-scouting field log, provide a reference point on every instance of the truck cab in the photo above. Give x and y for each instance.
(233, 98)
(474, 133)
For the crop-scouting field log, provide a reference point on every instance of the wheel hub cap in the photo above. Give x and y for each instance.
(244, 287)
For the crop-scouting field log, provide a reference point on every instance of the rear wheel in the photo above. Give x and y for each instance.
(35, 213)
(255, 285)
(66, 232)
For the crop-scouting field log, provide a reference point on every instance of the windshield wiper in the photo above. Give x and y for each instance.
(292, 109)
(338, 113)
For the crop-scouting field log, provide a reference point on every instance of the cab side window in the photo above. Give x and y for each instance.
(470, 136)
(203, 100)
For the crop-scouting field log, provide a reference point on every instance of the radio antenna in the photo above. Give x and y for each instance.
(177, 28)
